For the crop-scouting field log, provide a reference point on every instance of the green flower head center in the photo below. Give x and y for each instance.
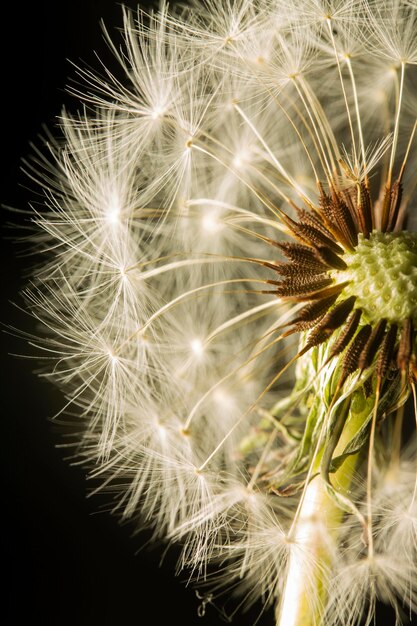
(382, 274)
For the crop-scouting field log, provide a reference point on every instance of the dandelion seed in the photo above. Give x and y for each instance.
(197, 347)
(211, 224)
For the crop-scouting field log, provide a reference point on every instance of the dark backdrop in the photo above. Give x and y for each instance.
(67, 562)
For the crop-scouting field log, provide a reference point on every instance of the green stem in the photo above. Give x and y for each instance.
(317, 527)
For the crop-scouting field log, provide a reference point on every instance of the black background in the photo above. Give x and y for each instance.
(68, 562)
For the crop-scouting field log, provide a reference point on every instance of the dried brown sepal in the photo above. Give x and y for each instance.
(294, 270)
(330, 322)
(368, 387)
(344, 218)
(373, 345)
(330, 258)
(313, 219)
(364, 210)
(386, 352)
(310, 315)
(339, 220)
(303, 256)
(385, 207)
(316, 238)
(345, 214)
(348, 195)
(354, 351)
(405, 346)
(301, 286)
(395, 204)
(326, 292)
(314, 310)
(346, 334)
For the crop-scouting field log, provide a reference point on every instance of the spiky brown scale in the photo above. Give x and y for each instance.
(338, 218)
(373, 345)
(346, 334)
(330, 322)
(343, 218)
(294, 270)
(395, 204)
(354, 351)
(325, 292)
(300, 254)
(302, 326)
(364, 210)
(314, 310)
(386, 352)
(405, 346)
(340, 232)
(330, 258)
(349, 197)
(385, 207)
(301, 286)
(368, 387)
(316, 238)
(310, 315)
(315, 220)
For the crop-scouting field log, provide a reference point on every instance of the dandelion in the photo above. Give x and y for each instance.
(230, 294)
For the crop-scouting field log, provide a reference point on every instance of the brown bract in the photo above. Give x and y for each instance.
(323, 234)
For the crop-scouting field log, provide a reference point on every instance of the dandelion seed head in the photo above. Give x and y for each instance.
(229, 294)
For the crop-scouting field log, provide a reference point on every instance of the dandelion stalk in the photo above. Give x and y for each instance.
(305, 591)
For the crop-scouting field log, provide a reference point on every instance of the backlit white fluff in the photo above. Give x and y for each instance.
(162, 205)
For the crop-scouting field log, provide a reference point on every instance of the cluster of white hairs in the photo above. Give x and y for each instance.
(162, 206)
